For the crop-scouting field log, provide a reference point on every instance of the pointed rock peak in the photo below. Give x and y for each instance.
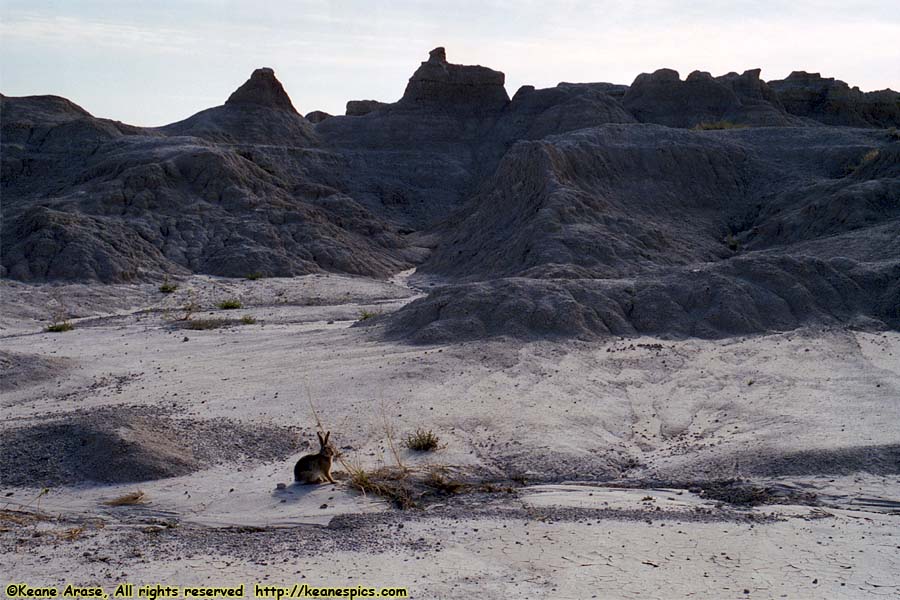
(438, 55)
(262, 89)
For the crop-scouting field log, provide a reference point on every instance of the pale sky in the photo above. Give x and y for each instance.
(155, 62)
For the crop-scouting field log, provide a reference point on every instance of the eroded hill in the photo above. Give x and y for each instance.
(706, 206)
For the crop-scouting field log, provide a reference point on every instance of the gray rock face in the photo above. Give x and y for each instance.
(640, 229)
(317, 116)
(262, 89)
(87, 199)
(438, 84)
(833, 102)
(358, 108)
(663, 98)
(534, 114)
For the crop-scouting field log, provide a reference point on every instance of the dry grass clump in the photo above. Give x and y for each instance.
(868, 157)
(391, 483)
(230, 304)
(422, 441)
(205, 324)
(439, 479)
(137, 497)
(19, 518)
(365, 315)
(71, 534)
(714, 125)
(59, 327)
(248, 320)
(404, 488)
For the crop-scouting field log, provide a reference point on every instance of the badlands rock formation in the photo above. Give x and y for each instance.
(706, 206)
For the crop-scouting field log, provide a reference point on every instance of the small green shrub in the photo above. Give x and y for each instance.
(717, 125)
(248, 320)
(365, 314)
(59, 327)
(254, 276)
(732, 243)
(422, 441)
(230, 304)
(168, 288)
(893, 134)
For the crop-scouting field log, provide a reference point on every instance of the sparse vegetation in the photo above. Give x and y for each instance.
(230, 304)
(391, 483)
(422, 441)
(137, 497)
(19, 518)
(867, 158)
(167, 286)
(248, 320)
(717, 125)
(59, 317)
(189, 308)
(205, 324)
(732, 243)
(893, 134)
(59, 327)
(71, 534)
(254, 276)
(365, 314)
(439, 479)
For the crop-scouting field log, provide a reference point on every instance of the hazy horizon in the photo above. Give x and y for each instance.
(156, 65)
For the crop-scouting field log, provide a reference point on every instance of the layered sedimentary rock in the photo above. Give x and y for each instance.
(441, 85)
(629, 229)
(317, 116)
(262, 89)
(663, 98)
(89, 199)
(833, 102)
(258, 112)
(358, 108)
(585, 209)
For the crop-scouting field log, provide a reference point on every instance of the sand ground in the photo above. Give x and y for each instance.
(601, 452)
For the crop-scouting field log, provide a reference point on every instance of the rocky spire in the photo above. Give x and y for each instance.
(262, 89)
(442, 85)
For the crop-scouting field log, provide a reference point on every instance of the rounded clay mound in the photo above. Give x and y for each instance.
(19, 370)
(124, 445)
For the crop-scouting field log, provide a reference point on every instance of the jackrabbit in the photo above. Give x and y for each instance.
(316, 468)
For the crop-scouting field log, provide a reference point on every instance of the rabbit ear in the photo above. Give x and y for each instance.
(327, 435)
(321, 439)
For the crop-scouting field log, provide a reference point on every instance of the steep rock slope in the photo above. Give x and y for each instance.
(626, 229)
(415, 160)
(234, 190)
